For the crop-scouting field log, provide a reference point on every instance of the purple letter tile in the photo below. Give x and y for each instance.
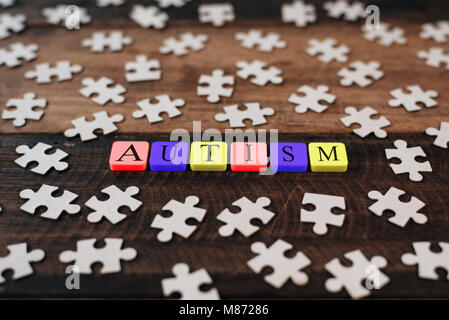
(169, 156)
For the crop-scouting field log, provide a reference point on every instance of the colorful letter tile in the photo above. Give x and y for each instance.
(288, 157)
(169, 156)
(129, 156)
(208, 156)
(249, 156)
(328, 157)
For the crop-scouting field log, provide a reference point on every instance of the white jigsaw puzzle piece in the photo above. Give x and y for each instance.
(360, 73)
(368, 125)
(38, 154)
(174, 3)
(408, 162)
(114, 40)
(187, 40)
(109, 209)
(215, 86)
(12, 56)
(55, 205)
(242, 221)
(322, 216)
(435, 57)
(439, 32)
(299, 13)
(148, 17)
(60, 13)
(153, 111)
(217, 14)
(24, 109)
(253, 112)
(104, 89)
(342, 8)
(384, 35)
(107, 3)
(85, 129)
(19, 261)
(143, 69)
(109, 256)
(310, 100)
(328, 50)
(404, 211)
(10, 24)
(427, 260)
(264, 43)
(284, 268)
(262, 74)
(188, 284)
(442, 135)
(176, 223)
(350, 278)
(63, 71)
(410, 100)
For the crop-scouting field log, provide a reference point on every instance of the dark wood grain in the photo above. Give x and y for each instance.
(225, 258)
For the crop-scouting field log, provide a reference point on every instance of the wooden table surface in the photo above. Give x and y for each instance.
(225, 258)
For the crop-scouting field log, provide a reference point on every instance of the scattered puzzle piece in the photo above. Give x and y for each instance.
(255, 38)
(19, 261)
(442, 135)
(367, 124)
(63, 71)
(427, 260)
(311, 99)
(148, 17)
(342, 8)
(12, 56)
(435, 57)
(174, 3)
(85, 129)
(107, 3)
(6, 3)
(104, 90)
(404, 211)
(188, 284)
(109, 209)
(143, 69)
(253, 112)
(408, 163)
(55, 205)
(24, 109)
(262, 75)
(153, 111)
(177, 222)
(384, 35)
(215, 86)
(284, 268)
(351, 277)
(99, 41)
(186, 41)
(242, 221)
(109, 256)
(38, 154)
(328, 50)
(217, 14)
(60, 13)
(360, 73)
(298, 13)
(10, 24)
(410, 100)
(439, 32)
(322, 216)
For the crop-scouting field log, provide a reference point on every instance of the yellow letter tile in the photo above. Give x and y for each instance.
(328, 157)
(208, 156)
